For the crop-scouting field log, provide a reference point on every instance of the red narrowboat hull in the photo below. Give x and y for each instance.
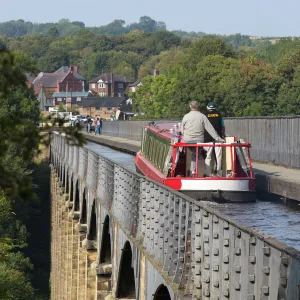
(214, 188)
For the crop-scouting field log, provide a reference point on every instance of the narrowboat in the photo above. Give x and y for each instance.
(166, 158)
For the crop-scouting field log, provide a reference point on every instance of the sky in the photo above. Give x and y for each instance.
(252, 17)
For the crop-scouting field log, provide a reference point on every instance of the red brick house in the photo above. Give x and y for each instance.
(109, 85)
(58, 82)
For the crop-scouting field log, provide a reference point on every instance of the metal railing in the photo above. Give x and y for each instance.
(274, 139)
(201, 253)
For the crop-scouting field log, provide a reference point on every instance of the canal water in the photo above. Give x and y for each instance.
(273, 219)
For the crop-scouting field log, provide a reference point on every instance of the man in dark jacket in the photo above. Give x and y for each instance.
(216, 120)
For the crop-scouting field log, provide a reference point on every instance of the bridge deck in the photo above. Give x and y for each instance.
(269, 178)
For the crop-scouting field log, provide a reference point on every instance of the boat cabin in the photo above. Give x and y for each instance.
(163, 147)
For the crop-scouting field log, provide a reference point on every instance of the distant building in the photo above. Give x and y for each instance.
(72, 98)
(133, 86)
(58, 82)
(74, 70)
(105, 107)
(109, 85)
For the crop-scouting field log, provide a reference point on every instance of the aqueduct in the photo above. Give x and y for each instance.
(116, 234)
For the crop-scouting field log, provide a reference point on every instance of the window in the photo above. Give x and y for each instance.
(93, 85)
(109, 108)
(101, 85)
(78, 98)
(102, 94)
(120, 94)
(120, 85)
(59, 99)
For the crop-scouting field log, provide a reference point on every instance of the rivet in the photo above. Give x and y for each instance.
(265, 290)
(215, 235)
(266, 250)
(237, 251)
(226, 259)
(216, 284)
(251, 277)
(252, 259)
(216, 252)
(216, 268)
(237, 269)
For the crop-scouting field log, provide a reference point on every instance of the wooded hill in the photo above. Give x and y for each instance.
(243, 76)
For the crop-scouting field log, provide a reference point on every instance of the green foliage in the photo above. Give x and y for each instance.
(19, 144)
(53, 31)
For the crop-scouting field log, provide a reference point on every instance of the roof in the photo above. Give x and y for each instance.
(101, 102)
(134, 84)
(74, 94)
(65, 69)
(106, 77)
(48, 79)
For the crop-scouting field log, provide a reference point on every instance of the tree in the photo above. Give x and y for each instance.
(53, 60)
(53, 31)
(207, 45)
(61, 107)
(125, 70)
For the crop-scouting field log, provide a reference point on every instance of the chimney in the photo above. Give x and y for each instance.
(75, 68)
(156, 72)
(70, 69)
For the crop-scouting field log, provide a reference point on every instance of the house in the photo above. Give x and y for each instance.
(109, 85)
(58, 82)
(74, 70)
(45, 99)
(104, 107)
(73, 98)
(133, 86)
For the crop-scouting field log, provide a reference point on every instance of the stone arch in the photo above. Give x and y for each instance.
(105, 254)
(83, 217)
(92, 235)
(162, 293)
(126, 283)
(77, 200)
